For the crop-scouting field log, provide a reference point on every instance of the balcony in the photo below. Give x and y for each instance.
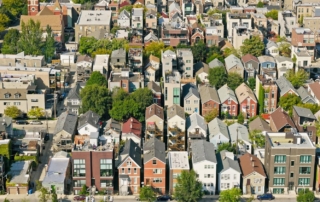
(153, 131)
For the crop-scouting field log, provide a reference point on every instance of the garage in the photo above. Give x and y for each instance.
(22, 190)
(12, 190)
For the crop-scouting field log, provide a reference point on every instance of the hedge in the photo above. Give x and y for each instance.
(261, 99)
(5, 151)
(26, 158)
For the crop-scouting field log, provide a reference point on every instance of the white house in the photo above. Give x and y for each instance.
(218, 132)
(137, 18)
(205, 164)
(191, 98)
(152, 68)
(67, 58)
(283, 65)
(88, 122)
(196, 127)
(84, 61)
(112, 131)
(101, 64)
(202, 71)
(228, 170)
(271, 49)
(124, 19)
(240, 133)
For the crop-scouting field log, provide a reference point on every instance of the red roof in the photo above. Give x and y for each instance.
(125, 3)
(164, 15)
(132, 125)
(248, 57)
(266, 116)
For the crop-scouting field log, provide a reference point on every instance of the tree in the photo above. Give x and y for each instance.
(6, 200)
(147, 194)
(240, 118)
(257, 138)
(288, 101)
(261, 98)
(226, 146)
(30, 38)
(97, 78)
(9, 45)
(12, 111)
(124, 109)
(234, 80)
(86, 45)
(305, 195)
(313, 107)
(36, 113)
(44, 195)
(154, 48)
(49, 47)
(285, 49)
(217, 77)
(230, 195)
(229, 51)
(15, 7)
(114, 29)
(260, 4)
(297, 79)
(199, 51)
(100, 51)
(253, 46)
(214, 56)
(211, 115)
(128, 8)
(4, 21)
(318, 127)
(188, 188)
(252, 83)
(96, 98)
(119, 94)
(272, 14)
(144, 98)
(83, 190)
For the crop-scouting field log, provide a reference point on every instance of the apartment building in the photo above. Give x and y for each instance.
(289, 162)
(126, 79)
(238, 19)
(311, 21)
(135, 59)
(172, 89)
(185, 62)
(213, 21)
(178, 162)
(303, 46)
(270, 97)
(22, 60)
(175, 32)
(287, 22)
(176, 121)
(169, 61)
(239, 34)
(260, 22)
(118, 59)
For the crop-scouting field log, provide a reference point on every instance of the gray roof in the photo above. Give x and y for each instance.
(89, 117)
(175, 110)
(118, 53)
(67, 121)
(217, 126)
(224, 163)
(304, 112)
(137, 12)
(305, 96)
(195, 120)
(154, 148)
(243, 133)
(266, 58)
(259, 124)
(201, 66)
(208, 93)
(74, 93)
(173, 6)
(151, 36)
(18, 172)
(56, 171)
(270, 44)
(190, 89)
(133, 150)
(284, 85)
(215, 63)
(114, 125)
(282, 59)
(225, 93)
(124, 13)
(232, 61)
(202, 151)
(153, 86)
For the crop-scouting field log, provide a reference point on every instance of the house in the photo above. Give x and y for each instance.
(174, 32)
(240, 34)
(131, 129)
(212, 36)
(305, 96)
(129, 169)
(21, 59)
(121, 34)
(154, 160)
(247, 101)
(313, 89)
(196, 34)
(124, 19)
(214, 21)
(125, 79)
(271, 48)
(196, 128)
(174, 9)
(154, 121)
(172, 89)
(215, 63)
(240, 132)
(185, 62)
(251, 65)
(285, 87)
(151, 19)
(303, 46)
(101, 64)
(88, 122)
(118, 59)
(209, 99)
(68, 58)
(191, 98)
(283, 65)
(287, 22)
(6, 128)
(151, 37)
(101, 5)
(74, 99)
(305, 121)
(228, 171)
(112, 131)
(156, 91)
(267, 66)
(259, 124)
(178, 162)
(237, 19)
(202, 71)
(176, 121)
(152, 68)
(19, 172)
(285, 151)
(218, 132)
(58, 173)
(229, 101)
(169, 61)
(137, 18)
(234, 65)
(135, 60)
(204, 164)
(253, 175)
(280, 121)
(84, 67)
(270, 96)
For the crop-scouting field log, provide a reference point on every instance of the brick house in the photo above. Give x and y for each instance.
(196, 34)
(247, 101)
(229, 102)
(209, 99)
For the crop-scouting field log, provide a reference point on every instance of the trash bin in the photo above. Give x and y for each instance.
(30, 191)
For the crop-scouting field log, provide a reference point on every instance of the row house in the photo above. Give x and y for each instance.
(259, 124)
(212, 36)
(251, 65)
(176, 120)
(89, 122)
(135, 59)
(305, 96)
(196, 128)
(126, 79)
(154, 122)
(218, 132)
(124, 19)
(213, 21)
(112, 131)
(216, 63)
(237, 19)
(151, 37)
(240, 132)
(285, 87)
(151, 19)
(239, 35)
(74, 99)
(152, 68)
(313, 89)
(271, 48)
(202, 71)
(209, 99)
(283, 65)
(175, 32)
(169, 62)
(191, 98)
(270, 96)
(197, 34)
(21, 59)
(229, 102)
(303, 46)
(137, 18)
(234, 65)
(185, 62)
(132, 129)
(267, 66)
(178, 162)
(305, 121)
(156, 92)
(247, 101)
(259, 22)
(287, 22)
(118, 59)
(280, 121)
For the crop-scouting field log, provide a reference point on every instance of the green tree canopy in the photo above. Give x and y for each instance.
(15, 7)
(318, 127)
(214, 56)
(240, 118)
(44, 195)
(49, 47)
(226, 146)
(188, 188)
(100, 51)
(313, 107)
(230, 195)
(297, 79)
(12, 111)
(147, 194)
(128, 8)
(305, 195)
(288, 101)
(229, 51)
(257, 138)
(211, 115)
(30, 38)
(86, 45)
(217, 77)
(36, 113)
(260, 4)
(253, 46)
(4, 21)
(199, 51)
(119, 94)
(234, 80)
(114, 29)
(285, 49)
(97, 78)
(10, 42)
(272, 14)
(144, 98)
(252, 83)
(154, 48)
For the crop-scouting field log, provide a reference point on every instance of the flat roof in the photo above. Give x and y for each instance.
(178, 160)
(290, 140)
(98, 17)
(57, 171)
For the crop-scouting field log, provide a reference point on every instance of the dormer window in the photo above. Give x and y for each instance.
(7, 95)
(17, 95)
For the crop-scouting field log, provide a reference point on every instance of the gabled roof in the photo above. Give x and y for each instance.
(305, 96)
(175, 110)
(114, 125)
(280, 119)
(154, 109)
(67, 121)
(259, 124)
(239, 130)
(124, 13)
(243, 92)
(86, 58)
(190, 89)
(174, 6)
(123, 4)
(279, 59)
(202, 151)
(89, 117)
(249, 164)
(266, 58)
(45, 11)
(225, 93)
(154, 58)
(232, 61)
(304, 112)
(118, 53)
(215, 63)
(74, 93)
(217, 126)
(271, 44)
(224, 163)
(208, 93)
(285, 86)
(133, 126)
(154, 148)
(137, 11)
(315, 87)
(132, 150)
(151, 12)
(194, 121)
(200, 67)
(154, 87)
(248, 57)
(151, 37)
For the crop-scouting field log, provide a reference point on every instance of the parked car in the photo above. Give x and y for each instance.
(35, 122)
(46, 137)
(79, 198)
(22, 122)
(164, 198)
(266, 196)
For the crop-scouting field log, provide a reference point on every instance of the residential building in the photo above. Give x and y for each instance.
(154, 122)
(280, 121)
(124, 20)
(20, 59)
(247, 101)
(176, 122)
(58, 173)
(251, 65)
(305, 96)
(204, 164)
(212, 36)
(135, 59)
(174, 9)
(228, 171)
(174, 32)
(229, 101)
(289, 162)
(196, 129)
(218, 132)
(234, 65)
(285, 87)
(152, 68)
(84, 67)
(253, 176)
(303, 46)
(131, 129)
(185, 62)
(202, 71)
(101, 5)
(215, 63)
(172, 89)
(156, 91)
(283, 65)
(154, 160)
(150, 38)
(118, 59)
(209, 99)
(178, 162)
(130, 169)
(305, 121)
(101, 64)
(191, 98)
(74, 99)
(214, 21)
(240, 132)
(68, 58)
(126, 79)
(313, 89)
(19, 180)
(237, 19)
(112, 131)
(239, 35)
(89, 122)
(259, 124)
(270, 89)
(6, 128)
(151, 19)
(93, 24)
(197, 34)
(137, 18)
(267, 66)
(169, 61)
(272, 48)
(287, 22)
(260, 22)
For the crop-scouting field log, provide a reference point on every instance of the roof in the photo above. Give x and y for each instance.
(154, 148)
(132, 150)
(118, 53)
(266, 58)
(315, 87)
(248, 57)
(154, 58)
(304, 112)
(153, 86)
(280, 119)
(317, 115)
(137, 11)
(74, 93)
(202, 151)
(305, 96)
(225, 93)
(89, 117)
(85, 58)
(282, 59)
(284, 86)
(57, 170)
(94, 17)
(67, 121)
(224, 162)
(190, 89)
(200, 67)
(178, 160)
(243, 92)
(239, 130)
(216, 126)
(151, 37)
(259, 124)
(154, 109)
(18, 172)
(208, 93)
(215, 63)
(232, 61)
(195, 120)
(124, 13)
(175, 110)
(249, 164)
(45, 11)
(22, 93)
(271, 44)
(174, 6)
(55, 21)
(114, 125)
(133, 126)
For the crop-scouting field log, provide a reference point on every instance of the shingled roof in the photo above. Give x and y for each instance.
(154, 148)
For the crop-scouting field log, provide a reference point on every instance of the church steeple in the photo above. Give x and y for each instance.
(33, 7)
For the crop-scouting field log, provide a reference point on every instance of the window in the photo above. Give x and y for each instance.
(106, 167)
(252, 107)
(278, 190)
(187, 101)
(17, 103)
(34, 100)
(135, 170)
(279, 170)
(304, 181)
(188, 68)
(79, 183)
(259, 188)
(6, 103)
(291, 174)
(305, 170)
(196, 102)
(278, 181)
(233, 108)
(305, 159)
(157, 171)
(79, 167)
(122, 170)
(188, 61)
(154, 161)
(292, 163)
(7, 95)
(266, 95)
(176, 96)
(280, 159)
(124, 85)
(129, 170)
(157, 180)
(17, 95)
(234, 176)
(128, 163)
(105, 183)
